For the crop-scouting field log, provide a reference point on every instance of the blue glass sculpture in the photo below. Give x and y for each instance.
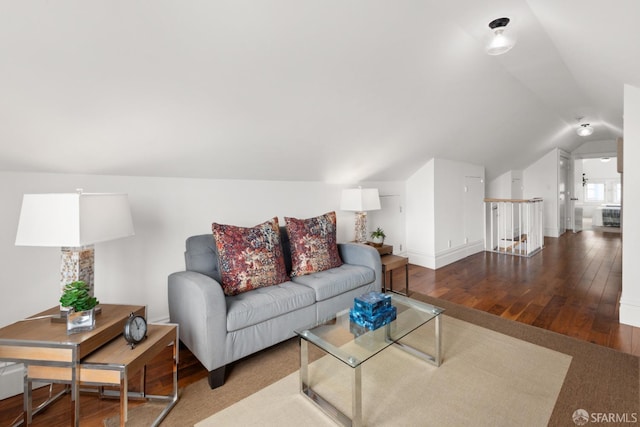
(372, 310)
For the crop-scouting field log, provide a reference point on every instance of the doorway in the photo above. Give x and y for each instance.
(598, 193)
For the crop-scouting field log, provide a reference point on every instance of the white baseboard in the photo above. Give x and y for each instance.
(630, 312)
(456, 254)
(445, 257)
(423, 260)
(551, 232)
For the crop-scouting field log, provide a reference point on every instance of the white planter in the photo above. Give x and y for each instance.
(377, 240)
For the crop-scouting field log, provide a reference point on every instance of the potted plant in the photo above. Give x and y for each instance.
(81, 307)
(378, 236)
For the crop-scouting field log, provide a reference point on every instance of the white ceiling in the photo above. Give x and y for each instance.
(337, 91)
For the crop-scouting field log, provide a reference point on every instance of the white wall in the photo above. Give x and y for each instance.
(597, 169)
(438, 225)
(391, 219)
(541, 180)
(506, 186)
(500, 187)
(420, 215)
(450, 201)
(165, 212)
(593, 149)
(630, 298)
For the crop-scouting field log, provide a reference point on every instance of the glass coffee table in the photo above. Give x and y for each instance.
(354, 345)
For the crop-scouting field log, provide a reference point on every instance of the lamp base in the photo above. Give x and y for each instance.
(77, 264)
(361, 227)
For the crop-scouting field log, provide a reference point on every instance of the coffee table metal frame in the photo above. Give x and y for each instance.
(422, 314)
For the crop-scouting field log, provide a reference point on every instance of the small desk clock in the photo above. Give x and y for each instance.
(135, 329)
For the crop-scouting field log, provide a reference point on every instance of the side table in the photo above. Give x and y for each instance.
(390, 263)
(383, 249)
(38, 342)
(111, 365)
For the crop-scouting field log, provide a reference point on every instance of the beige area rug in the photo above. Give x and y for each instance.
(599, 380)
(486, 378)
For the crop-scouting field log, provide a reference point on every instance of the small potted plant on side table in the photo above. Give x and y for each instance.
(81, 314)
(377, 237)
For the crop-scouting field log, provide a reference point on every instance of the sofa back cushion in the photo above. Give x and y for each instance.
(201, 256)
(249, 257)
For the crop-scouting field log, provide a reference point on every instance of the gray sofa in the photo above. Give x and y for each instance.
(221, 329)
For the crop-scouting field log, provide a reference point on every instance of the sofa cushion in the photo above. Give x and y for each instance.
(313, 244)
(249, 258)
(335, 281)
(251, 308)
(201, 256)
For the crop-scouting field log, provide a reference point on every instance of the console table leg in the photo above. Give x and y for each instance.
(143, 381)
(75, 392)
(304, 365)
(123, 399)
(406, 282)
(27, 398)
(437, 356)
(356, 399)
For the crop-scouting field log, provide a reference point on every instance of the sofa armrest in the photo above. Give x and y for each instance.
(197, 303)
(359, 254)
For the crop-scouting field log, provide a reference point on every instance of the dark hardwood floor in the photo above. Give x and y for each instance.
(572, 287)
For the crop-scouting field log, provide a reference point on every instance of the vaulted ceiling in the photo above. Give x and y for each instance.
(337, 91)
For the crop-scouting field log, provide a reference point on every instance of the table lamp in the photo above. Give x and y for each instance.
(360, 200)
(74, 222)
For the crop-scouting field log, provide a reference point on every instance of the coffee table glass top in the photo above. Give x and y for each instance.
(353, 345)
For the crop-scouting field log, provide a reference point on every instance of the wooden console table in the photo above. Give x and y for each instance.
(48, 353)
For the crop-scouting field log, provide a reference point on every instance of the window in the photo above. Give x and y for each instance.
(617, 198)
(594, 192)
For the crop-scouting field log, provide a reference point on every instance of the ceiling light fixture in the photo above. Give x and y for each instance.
(584, 129)
(500, 42)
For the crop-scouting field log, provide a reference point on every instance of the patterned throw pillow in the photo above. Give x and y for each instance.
(249, 258)
(313, 244)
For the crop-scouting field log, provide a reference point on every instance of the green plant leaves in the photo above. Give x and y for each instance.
(76, 295)
(378, 233)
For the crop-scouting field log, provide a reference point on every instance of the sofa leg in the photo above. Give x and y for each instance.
(216, 377)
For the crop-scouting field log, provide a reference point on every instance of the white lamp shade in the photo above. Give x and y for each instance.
(73, 220)
(360, 199)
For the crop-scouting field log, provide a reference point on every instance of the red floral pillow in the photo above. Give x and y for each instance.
(313, 244)
(249, 258)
